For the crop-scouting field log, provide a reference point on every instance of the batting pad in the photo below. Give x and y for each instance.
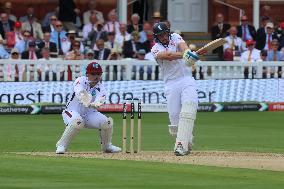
(70, 132)
(186, 124)
(106, 133)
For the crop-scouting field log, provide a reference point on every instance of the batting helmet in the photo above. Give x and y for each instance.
(94, 68)
(159, 29)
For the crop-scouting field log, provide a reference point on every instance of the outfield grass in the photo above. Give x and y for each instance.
(246, 131)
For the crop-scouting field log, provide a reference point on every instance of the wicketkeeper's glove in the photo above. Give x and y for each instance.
(85, 98)
(190, 57)
(98, 103)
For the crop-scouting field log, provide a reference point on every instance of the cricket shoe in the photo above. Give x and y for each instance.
(60, 150)
(112, 149)
(180, 151)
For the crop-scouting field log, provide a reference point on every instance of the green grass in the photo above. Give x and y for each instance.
(239, 131)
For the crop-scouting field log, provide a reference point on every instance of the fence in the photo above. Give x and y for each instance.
(128, 69)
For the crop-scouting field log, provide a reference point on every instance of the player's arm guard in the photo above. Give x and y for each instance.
(190, 57)
(101, 101)
(85, 98)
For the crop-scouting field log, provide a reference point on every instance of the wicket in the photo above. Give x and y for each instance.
(132, 128)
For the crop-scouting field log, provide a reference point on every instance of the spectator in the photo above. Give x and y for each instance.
(90, 27)
(263, 55)
(95, 35)
(134, 26)
(265, 36)
(112, 25)
(33, 26)
(58, 36)
(67, 45)
(266, 15)
(122, 36)
(246, 31)
(114, 55)
(112, 44)
(46, 43)
(102, 53)
(157, 17)
(3, 53)
(75, 53)
(234, 45)
(149, 43)
(50, 69)
(219, 30)
(78, 22)
(22, 45)
(281, 38)
(275, 55)
(32, 54)
(147, 27)
(89, 54)
(47, 18)
(92, 11)
(67, 14)
(19, 68)
(14, 36)
(6, 25)
(251, 55)
(131, 47)
(7, 8)
(30, 11)
(50, 27)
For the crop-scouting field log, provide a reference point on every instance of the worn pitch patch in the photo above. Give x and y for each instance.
(250, 160)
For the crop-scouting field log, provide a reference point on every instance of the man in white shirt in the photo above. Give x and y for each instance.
(91, 26)
(122, 35)
(82, 111)
(92, 11)
(112, 25)
(234, 43)
(251, 55)
(171, 52)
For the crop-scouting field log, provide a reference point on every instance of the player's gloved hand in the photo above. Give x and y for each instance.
(99, 103)
(190, 57)
(85, 98)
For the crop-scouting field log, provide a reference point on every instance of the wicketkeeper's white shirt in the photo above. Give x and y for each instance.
(81, 83)
(171, 70)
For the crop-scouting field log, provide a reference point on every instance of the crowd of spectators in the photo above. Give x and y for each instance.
(240, 37)
(246, 44)
(67, 34)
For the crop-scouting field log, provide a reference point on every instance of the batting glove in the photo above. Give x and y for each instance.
(190, 57)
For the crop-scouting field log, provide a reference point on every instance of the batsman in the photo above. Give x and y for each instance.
(81, 111)
(173, 56)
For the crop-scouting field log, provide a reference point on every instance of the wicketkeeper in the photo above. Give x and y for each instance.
(81, 111)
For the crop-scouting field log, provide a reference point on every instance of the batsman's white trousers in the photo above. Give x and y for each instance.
(178, 92)
(93, 119)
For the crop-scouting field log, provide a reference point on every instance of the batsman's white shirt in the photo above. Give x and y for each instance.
(74, 107)
(180, 87)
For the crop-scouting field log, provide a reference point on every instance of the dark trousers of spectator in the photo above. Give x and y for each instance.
(201, 76)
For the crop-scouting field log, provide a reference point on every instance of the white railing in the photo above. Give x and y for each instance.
(29, 70)
(133, 69)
